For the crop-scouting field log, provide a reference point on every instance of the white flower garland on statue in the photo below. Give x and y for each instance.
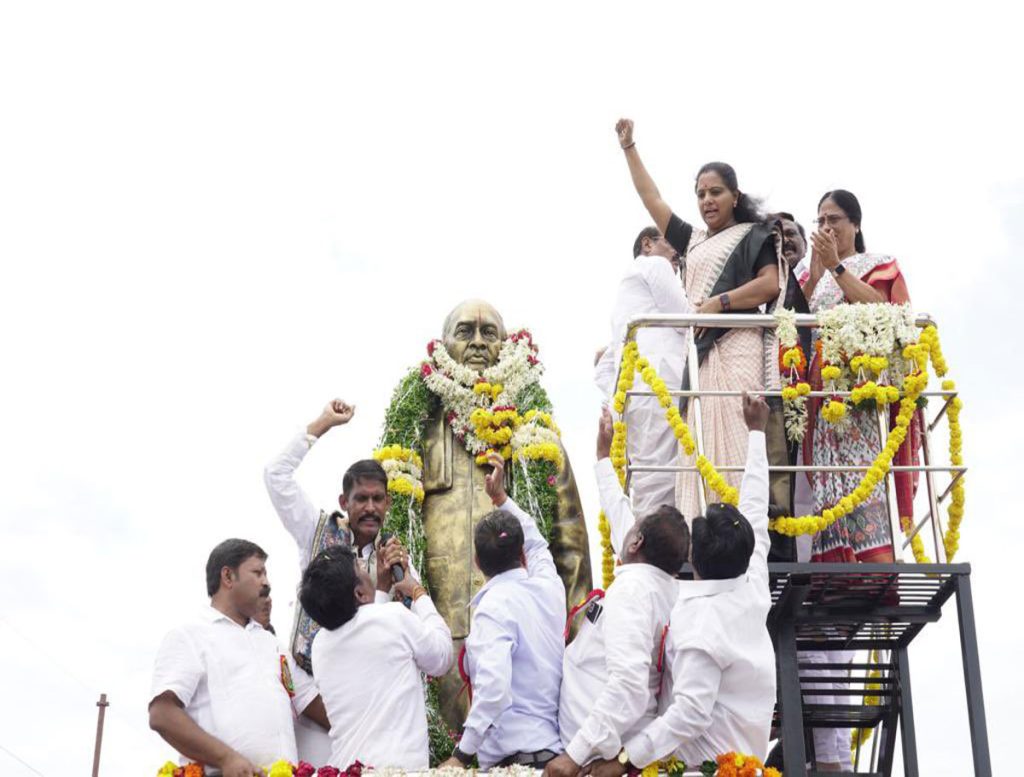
(462, 389)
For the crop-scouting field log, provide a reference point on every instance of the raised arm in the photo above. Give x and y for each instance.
(754, 487)
(427, 633)
(616, 505)
(642, 181)
(297, 512)
(539, 561)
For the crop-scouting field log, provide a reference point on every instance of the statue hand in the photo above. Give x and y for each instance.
(624, 129)
(494, 481)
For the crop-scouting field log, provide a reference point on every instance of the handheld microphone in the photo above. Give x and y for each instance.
(397, 573)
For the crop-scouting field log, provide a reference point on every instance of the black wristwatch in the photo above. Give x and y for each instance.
(463, 758)
(838, 270)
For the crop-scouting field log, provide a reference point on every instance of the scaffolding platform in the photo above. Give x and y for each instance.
(866, 607)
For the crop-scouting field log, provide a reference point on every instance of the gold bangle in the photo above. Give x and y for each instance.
(418, 591)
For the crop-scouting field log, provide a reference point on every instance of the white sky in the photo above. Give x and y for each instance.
(216, 216)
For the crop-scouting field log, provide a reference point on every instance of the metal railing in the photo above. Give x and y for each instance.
(767, 321)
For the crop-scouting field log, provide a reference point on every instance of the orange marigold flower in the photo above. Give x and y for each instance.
(194, 770)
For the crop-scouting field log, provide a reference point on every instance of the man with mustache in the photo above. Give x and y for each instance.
(781, 450)
(222, 695)
(364, 503)
(794, 240)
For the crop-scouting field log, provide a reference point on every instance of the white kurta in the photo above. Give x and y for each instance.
(368, 671)
(719, 651)
(229, 679)
(649, 287)
(611, 675)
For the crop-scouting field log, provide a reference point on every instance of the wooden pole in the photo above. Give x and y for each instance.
(102, 704)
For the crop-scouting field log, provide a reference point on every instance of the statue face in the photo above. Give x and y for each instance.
(473, 334)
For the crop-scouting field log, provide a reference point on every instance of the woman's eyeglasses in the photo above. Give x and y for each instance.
(831, 220)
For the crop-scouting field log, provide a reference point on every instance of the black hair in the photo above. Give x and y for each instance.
(364, 469)
(666, 539)
(748, 209)
(232, 554)
(498, 540)
(328, 588)
(723, 541)
(847, 202)
(789, 217)
(638, 245)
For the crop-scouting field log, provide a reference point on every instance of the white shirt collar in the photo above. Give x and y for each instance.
(213, 615)
(640, 568)
(693, 589)
(513, 574)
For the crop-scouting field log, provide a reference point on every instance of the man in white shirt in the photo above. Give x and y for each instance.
(651, 286)
(222, 694)
(364, 500)
(719, 651)
(612, 673)
(515, 644)
(369, 660)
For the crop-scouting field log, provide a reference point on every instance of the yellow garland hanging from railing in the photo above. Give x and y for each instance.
(919, 353)
(861, 735)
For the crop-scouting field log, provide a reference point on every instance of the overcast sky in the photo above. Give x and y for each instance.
(214, 217)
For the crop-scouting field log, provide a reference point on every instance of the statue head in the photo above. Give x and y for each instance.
(473, 333)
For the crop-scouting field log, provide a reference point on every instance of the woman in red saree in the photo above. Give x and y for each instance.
(842, 272)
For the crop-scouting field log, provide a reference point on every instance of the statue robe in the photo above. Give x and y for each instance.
(455, 501)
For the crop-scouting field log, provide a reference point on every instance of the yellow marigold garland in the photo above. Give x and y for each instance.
(861, 735)
(631, 361)
(927, 348)
(951, 540)
(916, 543)
(607, 554)
(404, 469)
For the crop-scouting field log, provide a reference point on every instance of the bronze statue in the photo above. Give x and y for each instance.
(455, 500)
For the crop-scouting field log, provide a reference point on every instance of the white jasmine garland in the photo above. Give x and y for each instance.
(533, 433)
(515, 370)
(794, 411)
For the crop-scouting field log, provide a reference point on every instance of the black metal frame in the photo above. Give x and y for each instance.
(868, 607)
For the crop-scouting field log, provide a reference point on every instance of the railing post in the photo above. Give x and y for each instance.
(891, 505)
(693, 369)
(933, 503)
